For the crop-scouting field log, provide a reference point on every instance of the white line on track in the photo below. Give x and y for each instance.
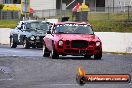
(63, 84)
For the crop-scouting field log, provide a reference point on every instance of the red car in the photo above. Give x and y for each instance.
(72, 38)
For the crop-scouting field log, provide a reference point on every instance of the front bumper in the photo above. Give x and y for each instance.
(36, 41)
(77, 51)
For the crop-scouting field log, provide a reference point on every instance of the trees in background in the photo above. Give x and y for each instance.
(1, 6)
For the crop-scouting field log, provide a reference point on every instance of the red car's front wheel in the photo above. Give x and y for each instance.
(54, 54)
(98, 56)
(46, 52)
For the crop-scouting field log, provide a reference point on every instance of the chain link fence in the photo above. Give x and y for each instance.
(98, 13)
(9, 15)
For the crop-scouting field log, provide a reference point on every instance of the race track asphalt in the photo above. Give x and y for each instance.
(26, 68)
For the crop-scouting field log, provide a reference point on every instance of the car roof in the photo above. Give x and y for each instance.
(58, 23)
(28, 21)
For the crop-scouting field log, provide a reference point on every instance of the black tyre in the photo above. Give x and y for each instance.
(46, 52)
(26, 44)
(12, 43)
(98, 56)
(54, 54)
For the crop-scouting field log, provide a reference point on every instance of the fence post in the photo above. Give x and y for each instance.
(49, 13)
(108, 13)
(43, 13)
(128, 13)
(113, 6)
(0, 15)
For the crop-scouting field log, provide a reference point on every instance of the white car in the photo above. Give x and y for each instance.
(28, 33)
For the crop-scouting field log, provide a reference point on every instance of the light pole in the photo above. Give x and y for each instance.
(61, 8)
(61, 5)
(95, 6)
(113, 5)
(83, 1)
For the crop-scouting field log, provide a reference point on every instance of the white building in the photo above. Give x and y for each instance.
(43, 4)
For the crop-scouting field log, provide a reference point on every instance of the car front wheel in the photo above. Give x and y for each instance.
(12, 43)
(54, 54)
(98, 56)
(46, 52)
(26, 44)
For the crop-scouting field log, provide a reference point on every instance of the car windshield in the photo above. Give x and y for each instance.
(32, 25)
(43, 26)
(73, 29)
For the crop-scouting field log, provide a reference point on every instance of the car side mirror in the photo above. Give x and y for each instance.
(19, 28)
(48, 32)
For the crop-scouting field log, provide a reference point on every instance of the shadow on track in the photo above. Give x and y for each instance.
(74, 58)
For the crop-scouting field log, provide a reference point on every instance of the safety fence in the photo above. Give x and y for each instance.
(9, 15)
(98, 13)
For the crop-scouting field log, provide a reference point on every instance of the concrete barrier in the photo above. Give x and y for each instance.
(112, 41)
(116, 42)
(4, 35)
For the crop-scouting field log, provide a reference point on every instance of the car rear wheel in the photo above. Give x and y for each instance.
(12, 43)
(26, 44)
(46, 52)
(98, 56)
(54, 54)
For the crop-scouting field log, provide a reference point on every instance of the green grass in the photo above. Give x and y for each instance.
(124, 53)
(110, 16)
(110, 26)
(8, 23)
(114, 22)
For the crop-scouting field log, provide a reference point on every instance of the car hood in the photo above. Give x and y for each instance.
(86, 37)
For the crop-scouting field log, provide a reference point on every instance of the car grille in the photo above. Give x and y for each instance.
(79, 44)
(72, 51)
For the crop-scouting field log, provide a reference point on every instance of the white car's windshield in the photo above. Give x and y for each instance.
(32, 25)
(74, 29)
(43, 26)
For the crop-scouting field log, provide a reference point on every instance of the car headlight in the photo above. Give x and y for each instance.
(98, 43)
(60, 43)
(37, 37)
(32, 37)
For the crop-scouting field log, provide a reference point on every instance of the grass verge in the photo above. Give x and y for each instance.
(8, 23)
(124, 53)
(111, 26)
(111, 22)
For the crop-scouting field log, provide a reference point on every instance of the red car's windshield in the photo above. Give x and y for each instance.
(73, 29)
